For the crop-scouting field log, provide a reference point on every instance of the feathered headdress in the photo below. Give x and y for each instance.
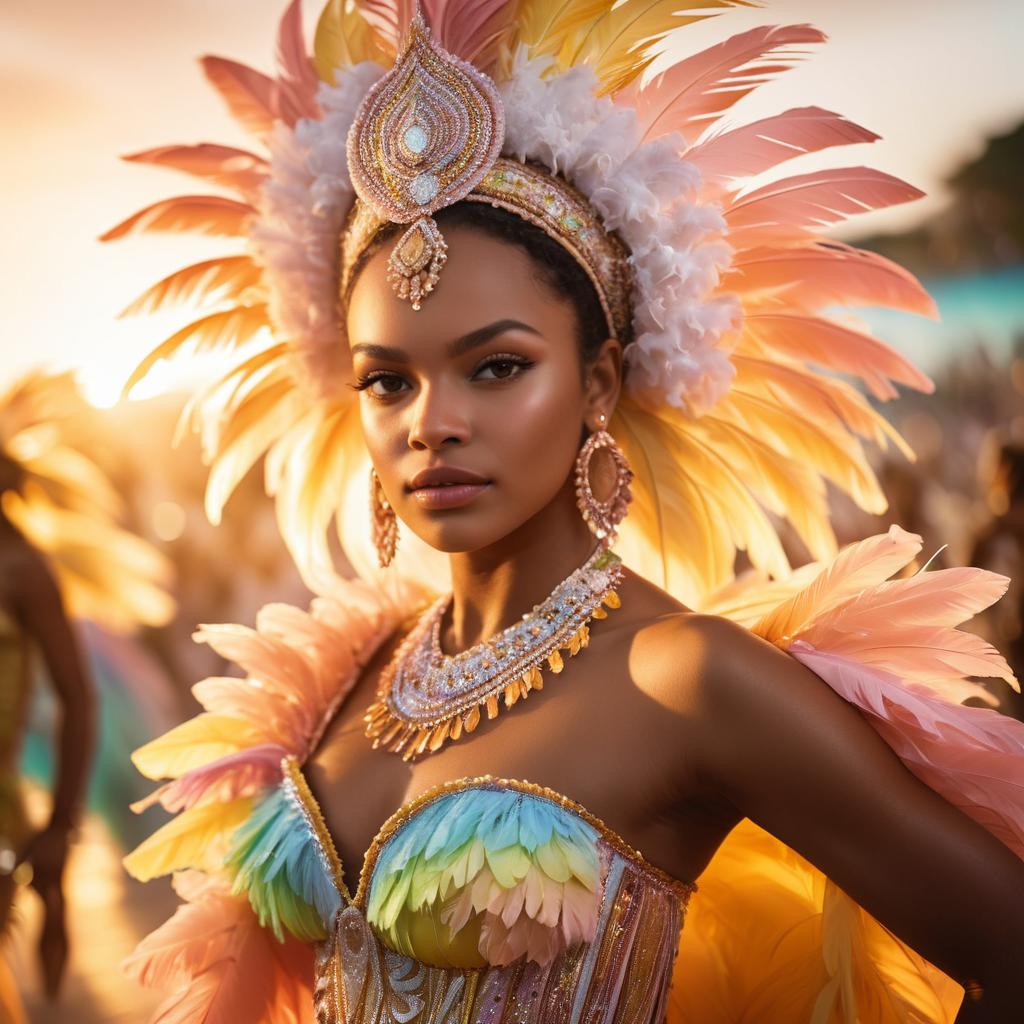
(67, 508)
(734, 408)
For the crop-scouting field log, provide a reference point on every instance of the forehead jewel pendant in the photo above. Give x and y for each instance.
(424, 136)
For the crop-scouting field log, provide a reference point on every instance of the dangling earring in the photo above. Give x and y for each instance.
(384, 522)
(603, 517)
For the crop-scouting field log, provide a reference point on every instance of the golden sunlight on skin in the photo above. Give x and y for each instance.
(520, 433)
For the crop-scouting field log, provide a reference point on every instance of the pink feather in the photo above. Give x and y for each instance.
(835, 346)
(757, 147)
(280, 717)
(227, 778)
(469, 28)
(233, 168)
(812, 277)
(273, 662)
(941, 597)
(209, 215)
(973, 757)
(388, 19)
(328, 651)
(690, 95)
(857, 566)
(806, 204)
(249, 94)
(231, 968)
(298, 82)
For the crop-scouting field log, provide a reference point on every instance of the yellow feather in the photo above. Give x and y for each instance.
(839, 458)
(343, 38)
(193, 744)
(228, 328)
(621, 43)
(227, 277)
(545, 26)
(196, 838)
(690, 511)
(783, 485)
(254, 426)
(822, 399)
(767, 937)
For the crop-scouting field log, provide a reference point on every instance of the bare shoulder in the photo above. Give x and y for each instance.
(727, 663)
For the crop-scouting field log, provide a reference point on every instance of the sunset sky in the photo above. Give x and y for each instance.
(82, 82)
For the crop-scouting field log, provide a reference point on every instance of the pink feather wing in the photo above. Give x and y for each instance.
(229, 967)
(973, 757)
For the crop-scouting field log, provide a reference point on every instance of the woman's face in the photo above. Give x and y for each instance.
(482, 381)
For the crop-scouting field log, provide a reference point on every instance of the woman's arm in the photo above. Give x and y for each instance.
(45, 620)
(798, 760)
(41, 612)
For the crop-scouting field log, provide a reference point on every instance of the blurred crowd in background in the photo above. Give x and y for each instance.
(964, 494)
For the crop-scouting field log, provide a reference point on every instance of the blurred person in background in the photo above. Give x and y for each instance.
(63, 556)
(32, 615)
(999, 546)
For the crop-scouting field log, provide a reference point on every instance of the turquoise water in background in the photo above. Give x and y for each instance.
(975, 309)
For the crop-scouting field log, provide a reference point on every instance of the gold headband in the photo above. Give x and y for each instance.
(539, 197)
(428, 135)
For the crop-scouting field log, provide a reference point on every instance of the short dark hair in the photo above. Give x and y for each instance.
(553, 265)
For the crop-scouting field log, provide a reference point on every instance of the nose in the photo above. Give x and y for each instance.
(436, 420)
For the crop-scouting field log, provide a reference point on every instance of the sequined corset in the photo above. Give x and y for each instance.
(488, 901)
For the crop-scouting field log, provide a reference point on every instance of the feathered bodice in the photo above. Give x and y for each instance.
(487, 894)
(495, 900)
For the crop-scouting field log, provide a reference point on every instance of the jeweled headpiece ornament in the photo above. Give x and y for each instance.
(425, 135)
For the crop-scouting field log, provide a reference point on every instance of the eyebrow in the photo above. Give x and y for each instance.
(455, 348)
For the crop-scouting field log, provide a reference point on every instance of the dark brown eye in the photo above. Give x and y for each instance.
(380, 384)
(503, 368)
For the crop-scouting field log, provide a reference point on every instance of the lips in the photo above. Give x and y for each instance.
(444, 487)
(444, 476)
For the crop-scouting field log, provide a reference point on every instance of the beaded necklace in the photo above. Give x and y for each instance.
(426, 698)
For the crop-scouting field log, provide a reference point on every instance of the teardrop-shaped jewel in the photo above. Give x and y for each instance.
(433, 119)
(425, 135)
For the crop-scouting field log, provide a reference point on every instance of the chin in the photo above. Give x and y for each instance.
(460, 531)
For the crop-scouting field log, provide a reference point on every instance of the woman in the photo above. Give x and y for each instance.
(62, 555)
(537, 311)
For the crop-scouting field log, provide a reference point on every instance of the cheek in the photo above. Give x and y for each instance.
(535, 427)
(380, 430)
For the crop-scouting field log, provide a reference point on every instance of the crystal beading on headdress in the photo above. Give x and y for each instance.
(424, 136)
(547, 202)
(733, 409)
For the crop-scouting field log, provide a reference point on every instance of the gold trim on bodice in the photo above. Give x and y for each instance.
(681, 890)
